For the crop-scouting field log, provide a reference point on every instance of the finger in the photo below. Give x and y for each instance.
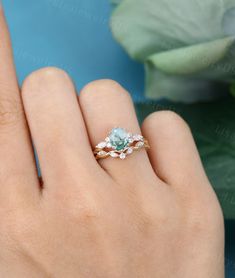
(173, 155)
(17, 166)
(105, 105)
(57, 127)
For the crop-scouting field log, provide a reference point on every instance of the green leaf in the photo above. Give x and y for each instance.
(232, 90)
(152, 26)
(185, 61)
(171, 74)
(213, 127)
(180, 88)
(184, 43)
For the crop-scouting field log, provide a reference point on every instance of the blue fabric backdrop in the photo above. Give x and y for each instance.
(73, 35)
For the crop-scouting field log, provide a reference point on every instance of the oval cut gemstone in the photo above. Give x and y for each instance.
(119, 138)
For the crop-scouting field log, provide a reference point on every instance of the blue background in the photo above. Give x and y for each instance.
(75, 35)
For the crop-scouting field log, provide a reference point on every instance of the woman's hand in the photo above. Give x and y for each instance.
(145, 216)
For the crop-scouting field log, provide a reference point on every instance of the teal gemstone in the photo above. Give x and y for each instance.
(119, 138)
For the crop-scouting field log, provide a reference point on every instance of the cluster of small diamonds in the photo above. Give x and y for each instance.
(136, 141)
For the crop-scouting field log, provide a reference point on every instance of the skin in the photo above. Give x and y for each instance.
(152, 215)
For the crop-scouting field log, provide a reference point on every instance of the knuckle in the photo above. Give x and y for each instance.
(166, 213)
(151, 215)
(85, 211)
(205, 214)
(48, 76)
(150, 218)
(45, 73)
(18, 226)
(161, 216)
(199, 223)
(101, 89)
(88, 214)
(165, 216)
(164, 119)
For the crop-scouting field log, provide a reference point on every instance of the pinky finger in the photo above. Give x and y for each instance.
(173, 153)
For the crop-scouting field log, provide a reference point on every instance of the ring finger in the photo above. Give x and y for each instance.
(105, 105)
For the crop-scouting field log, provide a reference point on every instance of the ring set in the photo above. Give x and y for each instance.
(119, 144)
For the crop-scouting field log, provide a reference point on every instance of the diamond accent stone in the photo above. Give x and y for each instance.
(139, 144)
(122, 155)
(129, 150)
(101, 145)
(113, 154)
(137, 137)
(102, 153)
(109, 145)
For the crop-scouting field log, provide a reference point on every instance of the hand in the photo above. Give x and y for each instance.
(152, 215)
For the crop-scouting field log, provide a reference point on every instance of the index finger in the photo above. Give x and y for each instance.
(17, 166)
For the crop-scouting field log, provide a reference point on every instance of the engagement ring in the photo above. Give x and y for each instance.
(119, 144)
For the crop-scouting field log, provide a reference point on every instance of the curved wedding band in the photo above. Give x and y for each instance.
(119, 144)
